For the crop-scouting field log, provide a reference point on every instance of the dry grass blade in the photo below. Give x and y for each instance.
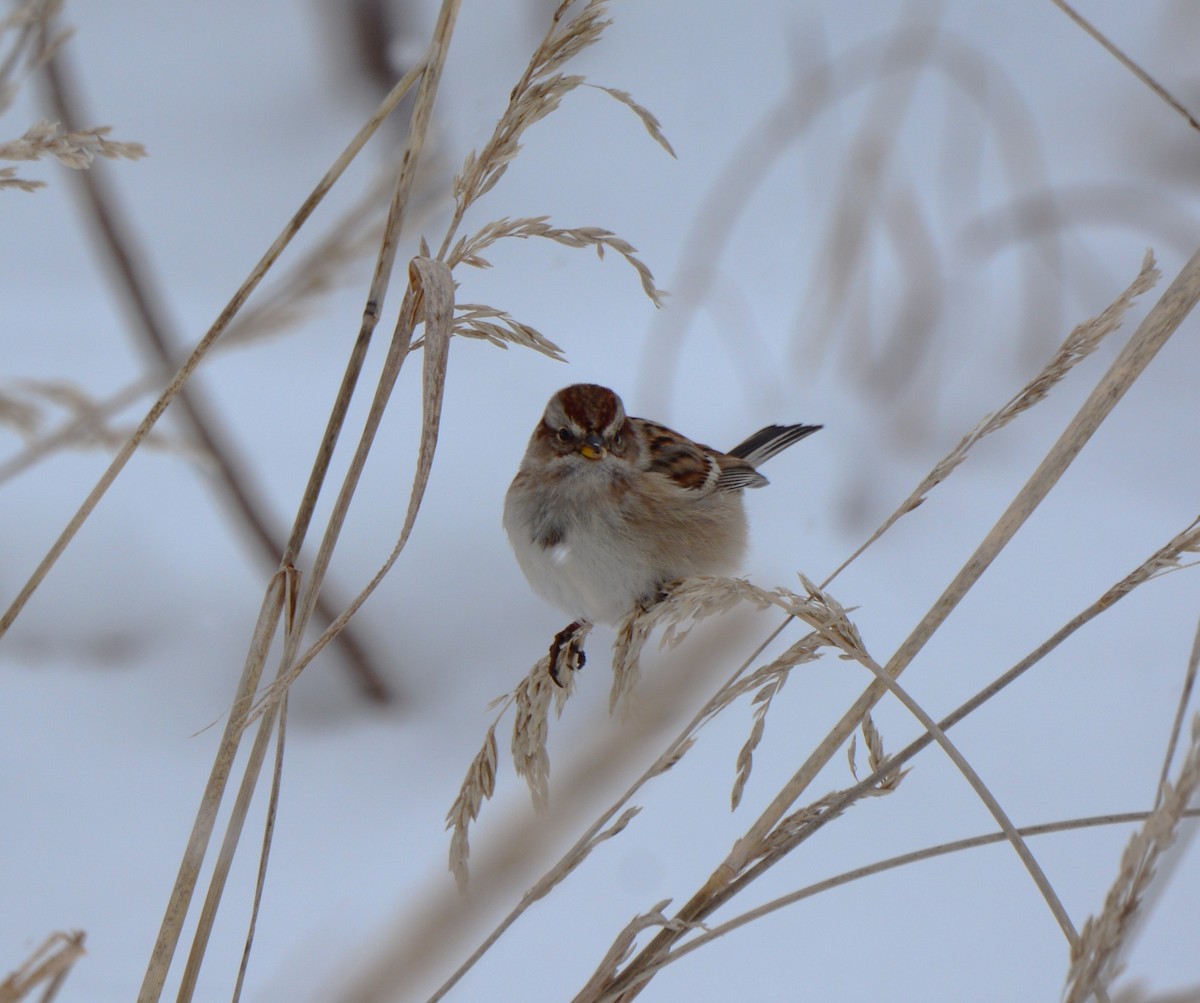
(1096, 960)
(431, 292)
(47, 967)
(273, 602)
(831, 620)
(684, 605)
(264, 856)
(1165, 557)
(474, 320)
(468, 250)
(1079, 344)
(649, 120)
(169, 932)
(1128, 63)
(202, 348)
(224, 861)
(1166, 315)
(769, 680)
(530, 730)
(478, 786)
(622, 947)
(891, 863)
(1185, 697)
(236, 823)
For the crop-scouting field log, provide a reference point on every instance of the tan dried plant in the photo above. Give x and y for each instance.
(428, 301)
(790, 816)
(46, 968)
(783, 827)
(1097, 959)
(31, 38)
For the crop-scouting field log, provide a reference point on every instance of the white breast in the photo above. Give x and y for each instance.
(595, 571)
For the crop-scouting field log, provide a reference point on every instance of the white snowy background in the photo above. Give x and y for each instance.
(113, 676)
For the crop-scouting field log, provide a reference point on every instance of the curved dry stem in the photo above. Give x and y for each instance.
(1084, 339)
(1152, 333)
(860, 655)
(880, 867)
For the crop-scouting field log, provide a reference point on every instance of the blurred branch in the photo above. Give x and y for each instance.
(118, 246)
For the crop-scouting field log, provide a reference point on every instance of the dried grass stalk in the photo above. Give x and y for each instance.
(1159, 90)
(684, 605)
(1163, 319)
(1096, 959)
(75, 149)
(274, 602)
(47, 967)
(1084, 339)
(889, 780)
(468, 250)
(1127, 995)
(478, 786)
(530, 730)
(622, 947)
(28, 405)
(769, 680)
(474, 320)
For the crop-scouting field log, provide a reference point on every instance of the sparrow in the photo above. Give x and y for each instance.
(607, 509)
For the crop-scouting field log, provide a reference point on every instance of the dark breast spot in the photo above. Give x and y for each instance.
(550, 536)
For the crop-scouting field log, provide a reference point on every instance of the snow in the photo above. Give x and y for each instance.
(116, 678)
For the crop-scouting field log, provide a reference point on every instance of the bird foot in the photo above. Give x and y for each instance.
(566, 650)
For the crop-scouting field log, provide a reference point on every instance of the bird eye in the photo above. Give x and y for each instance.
(618, 439)
(564, 435)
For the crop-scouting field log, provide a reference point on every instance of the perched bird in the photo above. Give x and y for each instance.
(607, 509)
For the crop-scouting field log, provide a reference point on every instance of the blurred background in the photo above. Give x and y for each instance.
(881, 218)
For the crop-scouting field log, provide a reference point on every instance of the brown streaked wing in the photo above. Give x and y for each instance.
(688, 465)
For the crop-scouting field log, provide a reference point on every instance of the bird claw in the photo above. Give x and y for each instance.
(566, 650)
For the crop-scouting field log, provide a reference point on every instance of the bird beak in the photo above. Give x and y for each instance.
(593, 448)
